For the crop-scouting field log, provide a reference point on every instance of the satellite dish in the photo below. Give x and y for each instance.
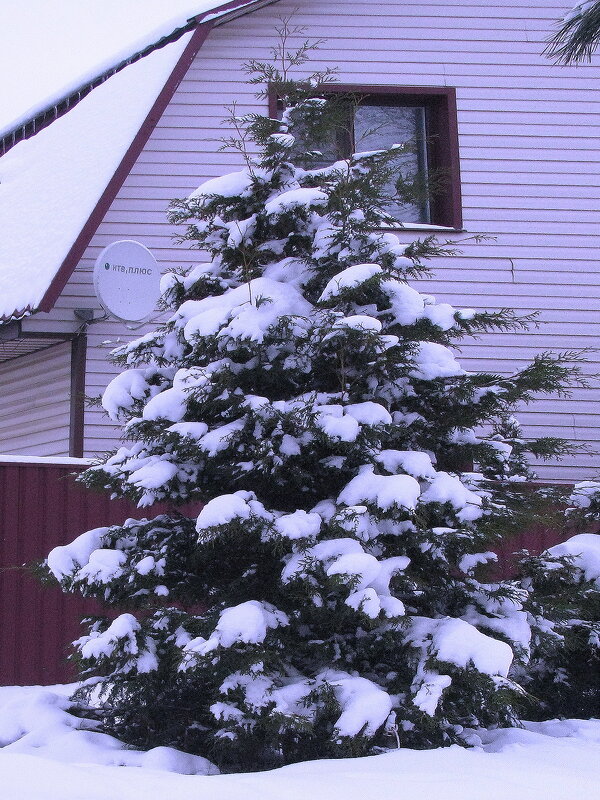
(127, 280)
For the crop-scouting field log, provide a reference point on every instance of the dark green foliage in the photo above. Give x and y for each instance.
(564, 671)
(577, 36)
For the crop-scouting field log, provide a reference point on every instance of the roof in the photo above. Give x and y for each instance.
(71, 44)
(54, 191)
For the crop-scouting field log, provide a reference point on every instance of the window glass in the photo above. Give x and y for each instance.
(379, 126)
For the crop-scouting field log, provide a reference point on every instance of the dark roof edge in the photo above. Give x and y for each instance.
(135, 148)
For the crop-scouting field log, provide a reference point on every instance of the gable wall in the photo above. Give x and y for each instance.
(529, 151)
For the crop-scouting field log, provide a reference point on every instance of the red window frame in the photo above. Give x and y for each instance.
(442, 139)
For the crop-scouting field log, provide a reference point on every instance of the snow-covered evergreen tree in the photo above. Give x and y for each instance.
(324, 602)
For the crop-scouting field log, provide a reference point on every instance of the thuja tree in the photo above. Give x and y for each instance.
(324, 602)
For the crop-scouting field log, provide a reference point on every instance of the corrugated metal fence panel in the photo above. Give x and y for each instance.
(34, 402)
(535, 539)
(41, 507)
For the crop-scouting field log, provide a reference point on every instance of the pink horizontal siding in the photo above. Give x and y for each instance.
(34, 402)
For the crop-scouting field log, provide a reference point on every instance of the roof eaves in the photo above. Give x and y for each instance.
(231, 9)
(16, 315)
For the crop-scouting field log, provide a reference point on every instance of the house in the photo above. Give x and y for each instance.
(515, 137)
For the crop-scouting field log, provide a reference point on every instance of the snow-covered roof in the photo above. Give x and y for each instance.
(52, 49)
(51, 184)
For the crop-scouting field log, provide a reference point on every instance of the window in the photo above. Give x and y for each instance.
(425, 119)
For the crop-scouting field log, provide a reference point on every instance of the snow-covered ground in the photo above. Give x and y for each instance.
(46, 758)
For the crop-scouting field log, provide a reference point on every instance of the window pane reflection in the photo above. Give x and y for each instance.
(377, 127)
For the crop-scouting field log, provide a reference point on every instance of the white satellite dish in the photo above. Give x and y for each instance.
(127, 280)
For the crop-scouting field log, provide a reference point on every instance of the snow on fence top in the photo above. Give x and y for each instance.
(53, 460)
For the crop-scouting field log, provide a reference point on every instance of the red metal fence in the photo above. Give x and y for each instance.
(41, 507)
